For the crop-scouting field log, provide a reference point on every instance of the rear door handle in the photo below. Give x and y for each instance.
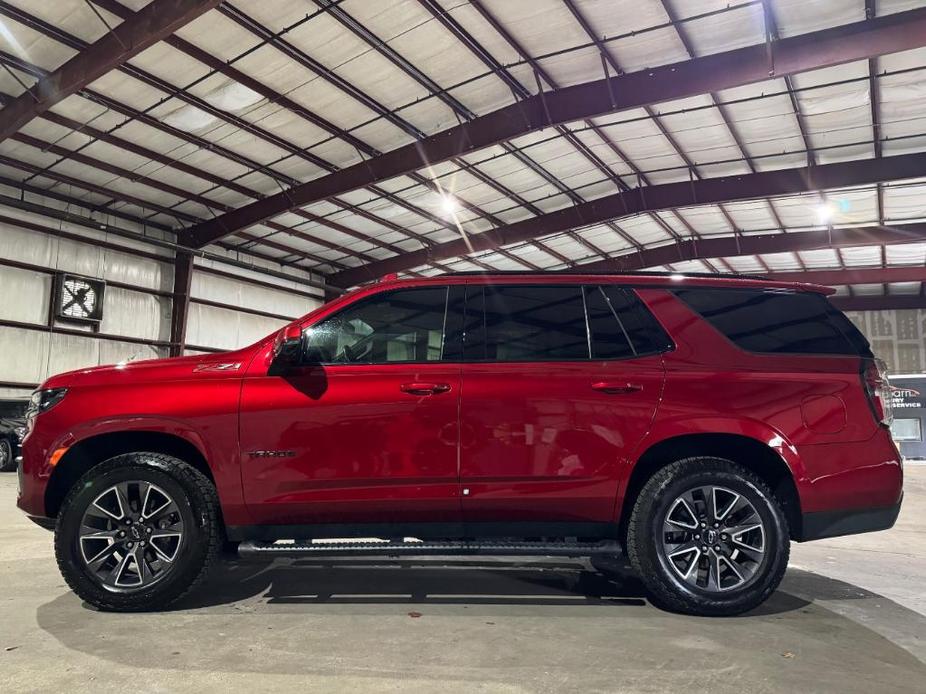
(617, 388)
(424, 388)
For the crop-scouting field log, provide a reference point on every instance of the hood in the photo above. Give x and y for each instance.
(172, 368)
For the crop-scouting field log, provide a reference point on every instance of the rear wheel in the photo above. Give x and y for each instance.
(708, 537)
(7, 461)
(138, 532)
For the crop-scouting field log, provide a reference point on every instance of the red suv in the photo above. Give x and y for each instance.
(696, 423)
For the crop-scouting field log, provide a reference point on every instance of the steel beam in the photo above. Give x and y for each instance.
(858, 41)
(757, 244)
(180, 302)
(659, 197)
(146, 27)
(847, 276)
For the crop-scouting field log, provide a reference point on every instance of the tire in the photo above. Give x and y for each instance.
(679, 577)
(7, 459)
(176, 543)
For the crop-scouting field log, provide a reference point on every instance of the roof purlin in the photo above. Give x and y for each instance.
(696, 76)
(140, 30)
(660, 197)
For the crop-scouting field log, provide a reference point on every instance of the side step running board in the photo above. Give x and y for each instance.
(302, 549)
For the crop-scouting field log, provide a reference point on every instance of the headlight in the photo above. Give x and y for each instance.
(43, 400)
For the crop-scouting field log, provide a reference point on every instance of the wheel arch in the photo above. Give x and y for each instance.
(752, 453)
(93, 450)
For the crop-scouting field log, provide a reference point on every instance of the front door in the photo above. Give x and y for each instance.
(555, 397)
(366, 431)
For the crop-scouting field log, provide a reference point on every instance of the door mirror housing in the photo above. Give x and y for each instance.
(290, 346)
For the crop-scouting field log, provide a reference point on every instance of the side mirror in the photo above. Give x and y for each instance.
(290, 347)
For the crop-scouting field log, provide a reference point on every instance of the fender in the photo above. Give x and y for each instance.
(224, 466)
(760, 432)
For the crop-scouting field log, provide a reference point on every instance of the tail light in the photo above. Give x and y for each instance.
(874, 379)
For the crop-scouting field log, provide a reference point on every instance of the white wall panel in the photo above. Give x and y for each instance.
(226, 329)
(130, 269)
(31, 356)
(135, 314)
(69, 352)
(24, 354)
(24, 295)
(229, 291)
(27, 246)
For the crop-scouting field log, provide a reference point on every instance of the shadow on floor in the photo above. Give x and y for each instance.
(495, 618)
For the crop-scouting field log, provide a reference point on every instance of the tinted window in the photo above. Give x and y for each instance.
(609, 338)
(522, 323)
(401, 326)
(770, 321)
(643, 330)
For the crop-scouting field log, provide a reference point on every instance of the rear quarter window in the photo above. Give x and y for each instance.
(777, 322)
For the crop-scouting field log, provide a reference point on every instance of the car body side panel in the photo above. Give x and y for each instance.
(713, 386)
(538, 443)
(178, 397)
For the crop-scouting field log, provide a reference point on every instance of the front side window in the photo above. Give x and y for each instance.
(406, 325)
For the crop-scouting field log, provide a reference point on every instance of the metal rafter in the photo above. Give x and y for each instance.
(311, 64)
(609, 58)
(140, 30)
(462, 112)
(726, 119)
(754, 244)
(857, 41)
(660, 197)
(131, 114)
(850, 276)
(138, 202)
(155, 82)
(521, 92)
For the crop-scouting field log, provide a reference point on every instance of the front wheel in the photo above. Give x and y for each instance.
(708, 537)
(138, 532)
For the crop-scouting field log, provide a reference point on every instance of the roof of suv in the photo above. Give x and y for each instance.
(639, 278)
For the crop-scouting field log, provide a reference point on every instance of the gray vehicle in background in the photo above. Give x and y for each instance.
(12, 431)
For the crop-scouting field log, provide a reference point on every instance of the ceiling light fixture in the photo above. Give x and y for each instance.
(825, 213)
(449, 204)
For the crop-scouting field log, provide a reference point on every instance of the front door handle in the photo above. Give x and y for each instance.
(617, 388)
(424, 388)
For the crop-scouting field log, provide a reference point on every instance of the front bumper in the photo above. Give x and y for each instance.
(815, 526)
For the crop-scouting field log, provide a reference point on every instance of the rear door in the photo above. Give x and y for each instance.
(560, 383)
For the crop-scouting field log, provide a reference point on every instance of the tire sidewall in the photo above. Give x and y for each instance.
(741, 486)
(191, 553)
(671, 590)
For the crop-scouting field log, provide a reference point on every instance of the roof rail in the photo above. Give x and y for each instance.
(641, 273)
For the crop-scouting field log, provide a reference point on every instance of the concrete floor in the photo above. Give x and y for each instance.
(849, 618)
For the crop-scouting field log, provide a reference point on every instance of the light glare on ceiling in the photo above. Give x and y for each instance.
(449, 204)
(825, 213)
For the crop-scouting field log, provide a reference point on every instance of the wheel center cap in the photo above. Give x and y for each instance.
(710, 535)
(135, 532)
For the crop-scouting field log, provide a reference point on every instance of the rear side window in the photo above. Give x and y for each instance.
(513, 323)
(776, 321)
(620, 325)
